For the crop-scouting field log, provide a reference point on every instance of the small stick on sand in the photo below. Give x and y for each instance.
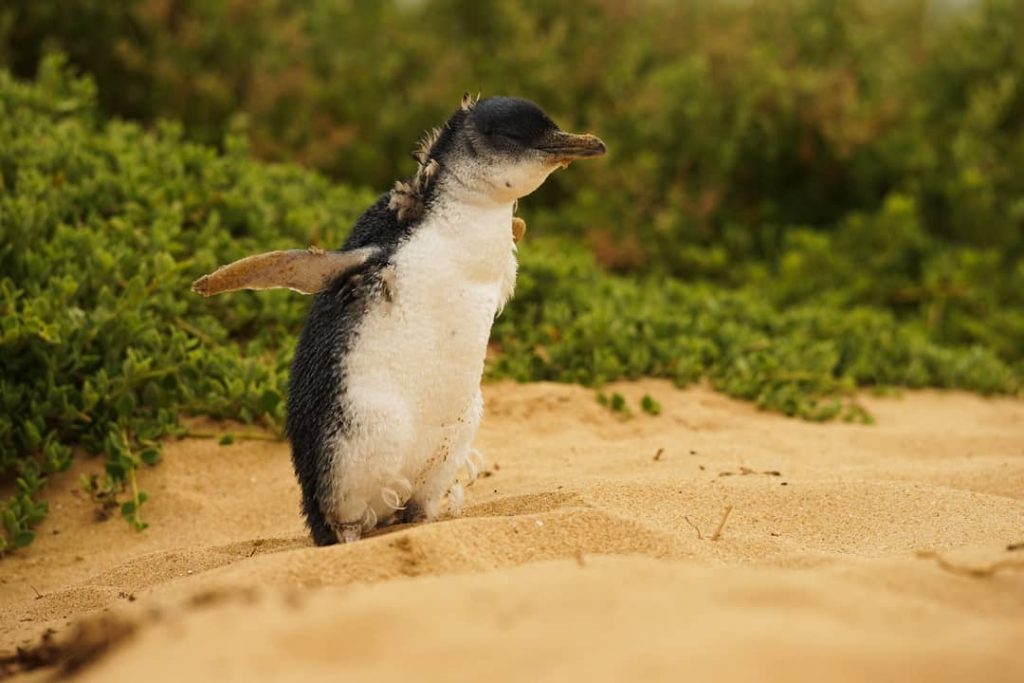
(721, 523)
(657, 456)
(965, 570)
(700, 536)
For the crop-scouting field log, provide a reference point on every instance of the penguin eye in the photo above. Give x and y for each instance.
(503, 140)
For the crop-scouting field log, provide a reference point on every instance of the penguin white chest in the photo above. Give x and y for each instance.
(431, 338)
(413, 373)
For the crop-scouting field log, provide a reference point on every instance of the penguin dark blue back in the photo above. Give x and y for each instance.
(384, 400)
(316, 385)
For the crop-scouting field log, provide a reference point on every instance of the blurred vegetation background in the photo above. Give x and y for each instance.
(802, 197)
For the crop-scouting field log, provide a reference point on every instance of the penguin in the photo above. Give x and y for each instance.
(384, 398)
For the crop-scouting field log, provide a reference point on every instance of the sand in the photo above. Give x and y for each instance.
(585, 552)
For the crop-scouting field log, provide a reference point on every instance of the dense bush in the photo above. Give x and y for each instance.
(102, 229)
(102, 347)
(742, 134)
(572, 322)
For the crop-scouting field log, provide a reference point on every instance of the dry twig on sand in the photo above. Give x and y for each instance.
(721, 523)
(982, 572)
(700, 536)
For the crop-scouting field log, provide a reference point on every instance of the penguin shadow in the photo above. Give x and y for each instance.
(263, 546)
(396, 527)
(510, 506)
(527, 504)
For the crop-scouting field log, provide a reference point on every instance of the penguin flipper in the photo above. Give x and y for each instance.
(518, 229)
(303, 270)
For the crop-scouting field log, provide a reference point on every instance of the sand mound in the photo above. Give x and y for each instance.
(585, 550)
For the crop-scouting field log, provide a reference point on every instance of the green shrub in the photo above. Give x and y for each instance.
(729, 124)
(571, 322)
(102, 229)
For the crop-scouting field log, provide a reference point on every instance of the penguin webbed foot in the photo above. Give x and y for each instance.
(412, 513)
(350, 532)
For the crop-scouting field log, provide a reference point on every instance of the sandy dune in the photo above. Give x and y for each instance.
(580, 555)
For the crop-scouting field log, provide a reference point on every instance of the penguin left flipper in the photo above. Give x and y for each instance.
(307, 271)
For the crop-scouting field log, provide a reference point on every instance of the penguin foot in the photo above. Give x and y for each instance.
(456, 497)
(349, 533)
(396, 493)
(412, 513)
(474, 465)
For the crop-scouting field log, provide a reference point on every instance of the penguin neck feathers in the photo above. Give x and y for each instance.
(409, 198)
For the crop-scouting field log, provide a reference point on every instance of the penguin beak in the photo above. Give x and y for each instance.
(566, 147)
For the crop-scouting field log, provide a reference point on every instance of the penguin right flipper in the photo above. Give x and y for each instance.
(303, 270)
(518, 229)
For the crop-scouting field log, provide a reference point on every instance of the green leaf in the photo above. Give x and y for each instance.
(269, 400)
(150, 456)
(23, 538)
(32, 435)
(125, 405)
(649, 405)
(10, 521)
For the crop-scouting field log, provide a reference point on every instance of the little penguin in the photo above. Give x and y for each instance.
(384, 400)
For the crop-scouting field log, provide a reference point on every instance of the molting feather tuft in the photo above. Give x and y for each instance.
(408, 197)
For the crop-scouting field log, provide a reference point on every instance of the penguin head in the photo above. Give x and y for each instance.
(511, 146)
(490, 151)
